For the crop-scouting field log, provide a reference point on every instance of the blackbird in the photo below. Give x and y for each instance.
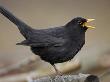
(53, 45)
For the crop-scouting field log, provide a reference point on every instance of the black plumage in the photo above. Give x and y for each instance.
(53, 45)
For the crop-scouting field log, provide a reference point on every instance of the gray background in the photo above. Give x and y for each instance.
(50, 13)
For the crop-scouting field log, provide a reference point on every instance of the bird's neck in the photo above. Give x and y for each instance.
(75, 34)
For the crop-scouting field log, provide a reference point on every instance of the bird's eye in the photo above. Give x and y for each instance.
(79, 22)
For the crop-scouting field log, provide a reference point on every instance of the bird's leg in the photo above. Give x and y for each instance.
(57, 71)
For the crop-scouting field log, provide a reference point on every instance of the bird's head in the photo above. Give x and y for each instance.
(80, 22)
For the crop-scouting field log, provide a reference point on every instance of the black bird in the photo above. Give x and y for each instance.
(53, 45)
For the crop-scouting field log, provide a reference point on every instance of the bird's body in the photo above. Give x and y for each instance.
(53, 45)
(62, 52)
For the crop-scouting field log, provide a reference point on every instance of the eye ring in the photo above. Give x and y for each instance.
(79, 22)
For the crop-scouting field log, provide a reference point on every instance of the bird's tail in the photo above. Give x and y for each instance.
(24, 28)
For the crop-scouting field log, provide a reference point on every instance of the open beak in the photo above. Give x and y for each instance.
(88, 20)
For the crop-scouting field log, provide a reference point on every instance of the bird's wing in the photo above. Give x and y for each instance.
(43, 41)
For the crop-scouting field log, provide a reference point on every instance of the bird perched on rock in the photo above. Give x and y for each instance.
(53, 45)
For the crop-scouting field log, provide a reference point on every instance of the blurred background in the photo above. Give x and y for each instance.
(94, 57)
